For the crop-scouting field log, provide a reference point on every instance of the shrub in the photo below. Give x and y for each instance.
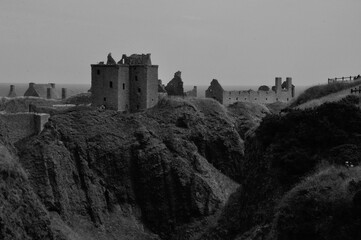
(321, 207)
(296, 142)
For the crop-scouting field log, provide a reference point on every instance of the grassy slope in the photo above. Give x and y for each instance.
(317, 95)
(325, 205)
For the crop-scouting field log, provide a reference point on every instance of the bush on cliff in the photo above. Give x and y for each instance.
(296, 142)
(325, 205)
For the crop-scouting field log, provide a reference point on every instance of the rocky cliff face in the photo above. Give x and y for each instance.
(163, 173)
(300, 178)
(22, 216)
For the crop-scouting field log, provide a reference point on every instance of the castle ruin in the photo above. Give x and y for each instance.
(128, 85)
(47, 91)
(175, 86)
(277, 94)
(12, 92)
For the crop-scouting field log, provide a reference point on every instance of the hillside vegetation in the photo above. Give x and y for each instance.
(275, 201)
(320, 91)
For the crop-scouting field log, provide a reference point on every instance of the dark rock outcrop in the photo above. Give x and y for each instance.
(22, 216)
(165, 169)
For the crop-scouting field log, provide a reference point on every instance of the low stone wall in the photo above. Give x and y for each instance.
(230, 97)
(22, 125)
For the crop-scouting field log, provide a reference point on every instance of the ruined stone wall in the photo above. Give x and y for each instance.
(285, 96)
(152, 86)
(215, 91)
(230, 97)
(192, 93)
(105, 86)
(22, 125)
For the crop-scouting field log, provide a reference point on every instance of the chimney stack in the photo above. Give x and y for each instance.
(278, 84)
(12, 91)
(63, 93)
(49, 93)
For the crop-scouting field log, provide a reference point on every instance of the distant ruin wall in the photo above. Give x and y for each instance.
(22, 125)
(230, 97)
(192, 93)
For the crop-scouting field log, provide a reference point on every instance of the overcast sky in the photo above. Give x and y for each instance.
(238, 42)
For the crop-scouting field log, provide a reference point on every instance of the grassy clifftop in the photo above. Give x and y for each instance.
(322, 91)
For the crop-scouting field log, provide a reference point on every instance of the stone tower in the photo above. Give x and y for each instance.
(278, 84)
(129, 85)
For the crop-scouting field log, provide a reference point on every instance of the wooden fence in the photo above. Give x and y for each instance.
(344, 79)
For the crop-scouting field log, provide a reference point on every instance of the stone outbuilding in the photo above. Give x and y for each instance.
(47, 91)
(42, 90)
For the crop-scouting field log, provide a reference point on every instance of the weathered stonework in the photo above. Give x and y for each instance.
(22, 125)
(175, 86)
(12, 92)
(47, 91)
(192, 93)
(277, 94)
(129, 85)
(161, 87)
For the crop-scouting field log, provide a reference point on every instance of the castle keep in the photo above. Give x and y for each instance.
(129, 85)
(279, 93)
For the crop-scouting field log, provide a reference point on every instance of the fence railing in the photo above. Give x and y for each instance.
(344, 79)
(356, 90)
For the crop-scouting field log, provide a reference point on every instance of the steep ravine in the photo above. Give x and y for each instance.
(300, 178)
(107, 175)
